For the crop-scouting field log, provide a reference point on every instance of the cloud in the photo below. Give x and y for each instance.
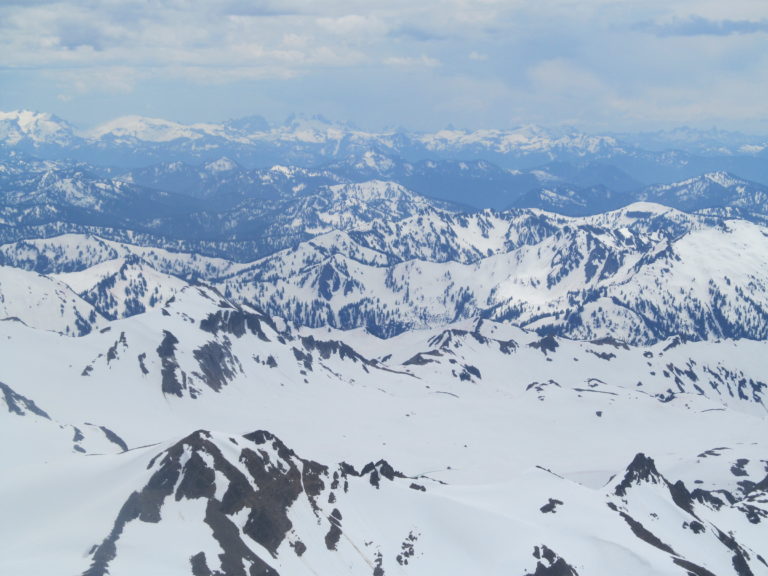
(422, 61)
(587, 61)
(254, 8)
(107, 81)
(562, 76)
(75, 35)
(698, 26)
(354, 25)
(416, 33)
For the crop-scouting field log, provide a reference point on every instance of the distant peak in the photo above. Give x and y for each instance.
(254, 123)
(152, 129)
(38, 127)
(722, 178)
(222, 164)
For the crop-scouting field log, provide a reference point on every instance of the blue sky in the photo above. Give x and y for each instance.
(598, 65)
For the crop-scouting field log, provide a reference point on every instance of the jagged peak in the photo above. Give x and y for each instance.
(641, 470)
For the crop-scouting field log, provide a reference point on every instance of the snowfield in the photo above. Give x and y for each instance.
(486, 443)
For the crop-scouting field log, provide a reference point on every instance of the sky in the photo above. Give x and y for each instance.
(597, 65)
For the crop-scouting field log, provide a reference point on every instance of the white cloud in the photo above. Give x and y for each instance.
(103, 80)
(354, 25)
(564, 77)
(589, 61)
(412, 61)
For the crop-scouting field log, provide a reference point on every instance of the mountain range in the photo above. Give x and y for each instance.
(135, 141)
(246, 349)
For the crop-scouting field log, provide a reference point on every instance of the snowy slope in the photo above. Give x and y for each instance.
(76, 252)
(42, 302)
(123, 287)
(554, 463)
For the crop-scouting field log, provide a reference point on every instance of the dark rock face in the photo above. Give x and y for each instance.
(376, 471)
(681, 496)
(550, 564)
(407, 549)
(236, 323)
(547, 344)
(738, 468)
(218, 366)
(328, 348)
(334, 533)
(542, 386)
(740, 556)
(20, 405)
(267, 480)
(642, 469)
(200, 565)
(114, 438)
(299, 547)
(422, 359)
(646, 535)
(112, 353)
(610, 341)
(142, 365)
(167, 353)
(303, 357)
(551, 506)
(196, 479)
(236, 551)
(692, 568)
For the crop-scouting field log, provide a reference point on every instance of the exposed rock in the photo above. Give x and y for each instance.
(550, 564)
(20, 405)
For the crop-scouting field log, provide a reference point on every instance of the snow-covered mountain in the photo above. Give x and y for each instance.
(135, 142)
(194, 378)
(135, 129)
(26, 128)
(394, 473)
(45, 303)
(712, 190)
(376, 256)
(711, 142)
(533, 140)
(639, 274)
(123, 287)
(574, 201)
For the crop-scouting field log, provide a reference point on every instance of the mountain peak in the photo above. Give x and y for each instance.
(148, 129)
(723, 178)
(223, 164)
(20, 126)
(641, 470)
